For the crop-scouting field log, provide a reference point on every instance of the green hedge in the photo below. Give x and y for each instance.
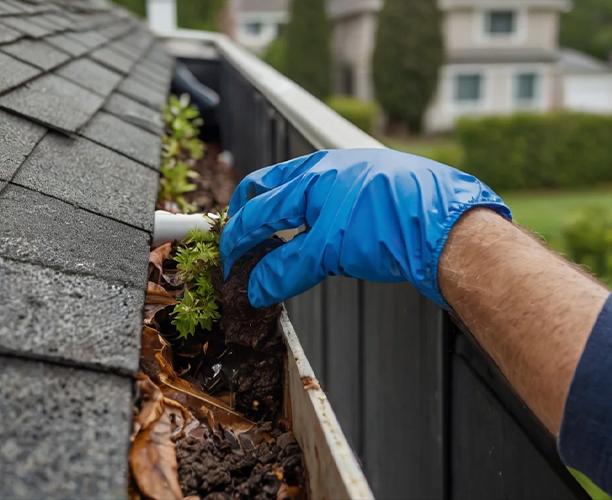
(362, 114)
(535, 151)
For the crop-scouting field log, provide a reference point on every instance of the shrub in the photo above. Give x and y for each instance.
(535, 151)
(588, 238)
(362, 114)
(449, 154)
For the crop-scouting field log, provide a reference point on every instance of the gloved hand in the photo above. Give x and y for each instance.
(374, 214)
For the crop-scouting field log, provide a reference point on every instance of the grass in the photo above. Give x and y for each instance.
(542, 211)
(546, 211)
(422, 146)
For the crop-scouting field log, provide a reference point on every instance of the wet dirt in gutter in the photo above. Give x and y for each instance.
(229, 436)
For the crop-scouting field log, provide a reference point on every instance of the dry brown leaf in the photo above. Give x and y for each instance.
(283, 492)
(153, 461)
(153, 454)
(150, 310)
(159, 255)
(161, 371)
(157, 294)
(152, 403)
(173, 277)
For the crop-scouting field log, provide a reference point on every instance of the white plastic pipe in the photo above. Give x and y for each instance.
(170, 227)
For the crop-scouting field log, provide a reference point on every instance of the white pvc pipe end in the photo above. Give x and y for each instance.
(171, 227)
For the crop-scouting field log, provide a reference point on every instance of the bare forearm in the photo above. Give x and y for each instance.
(528, 308)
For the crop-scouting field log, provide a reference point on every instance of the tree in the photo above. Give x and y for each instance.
(308, 56)
(588, 27)
(199, 14)
(136, 6)
(408, 55)
(276, 54)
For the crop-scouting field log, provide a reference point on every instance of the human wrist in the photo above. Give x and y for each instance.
(469, 240)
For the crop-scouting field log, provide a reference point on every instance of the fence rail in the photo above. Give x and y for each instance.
(425, 410)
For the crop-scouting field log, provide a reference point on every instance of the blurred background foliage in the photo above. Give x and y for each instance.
(190, 14)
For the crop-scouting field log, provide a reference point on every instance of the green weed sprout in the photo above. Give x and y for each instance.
(197, 260)
(180, 145)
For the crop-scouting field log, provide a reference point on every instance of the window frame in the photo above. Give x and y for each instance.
(536, 101)
(248, 24)
(500, 34)
(483, 37)
(468, 103)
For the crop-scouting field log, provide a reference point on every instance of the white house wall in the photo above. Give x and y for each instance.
(588, 93)
(537, 29)
(353, 44)
(497, 93)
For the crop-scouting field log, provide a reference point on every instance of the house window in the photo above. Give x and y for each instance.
(500, 22)
(468, 88)
(526, 87)
(253, 28)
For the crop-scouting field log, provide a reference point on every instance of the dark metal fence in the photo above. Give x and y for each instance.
(425, 410)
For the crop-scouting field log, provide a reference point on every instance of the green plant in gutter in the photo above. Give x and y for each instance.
(197, 260)
(180, 147)
(182, 127)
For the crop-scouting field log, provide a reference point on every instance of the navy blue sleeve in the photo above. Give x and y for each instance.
(585, 440)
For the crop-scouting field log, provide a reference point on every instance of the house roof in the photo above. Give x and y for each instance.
(244, 6)
(81, 85)
(344, 8)
(563, 5)
(505, 55)
(574, 61)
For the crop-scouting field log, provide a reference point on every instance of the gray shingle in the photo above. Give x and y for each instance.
(67, 44)
(19, 136)
(147, 77)
(9, 8)
(89, 39)
(164, 70)
(133, 112)
(126, 50)
(112, 60)
(90, 75)
(53, 101)
(115, 30)
(14, 72)
(143, 93)
(24, 25)
(141, 38)
(127, 139)
(37, 53)
(92, 177)
(151, 73)
(62, 20)
(45, 231)
(8, 35)
(77, 319)
(45, 23)
(65, 432)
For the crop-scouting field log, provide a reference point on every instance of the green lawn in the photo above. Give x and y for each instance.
(545, 212)
(422, 146)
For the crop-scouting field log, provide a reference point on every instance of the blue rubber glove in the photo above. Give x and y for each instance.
(374, 214)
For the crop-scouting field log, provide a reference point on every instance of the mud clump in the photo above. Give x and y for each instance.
(254, 337)
(242, 324)
(216, 469)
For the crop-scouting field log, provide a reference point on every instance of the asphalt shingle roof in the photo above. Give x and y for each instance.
(81, 85)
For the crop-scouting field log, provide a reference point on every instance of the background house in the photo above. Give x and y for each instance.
(258, 22)
(502, 57)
